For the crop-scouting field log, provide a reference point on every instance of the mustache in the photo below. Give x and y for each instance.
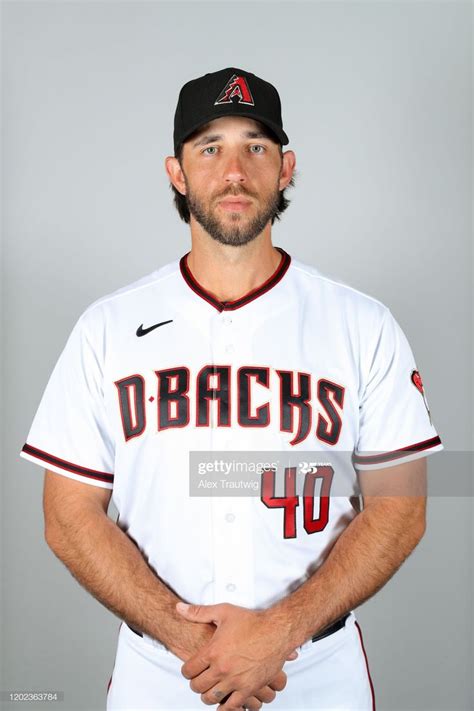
(233, 193)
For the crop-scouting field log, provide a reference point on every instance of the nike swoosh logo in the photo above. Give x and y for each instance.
(143, 331)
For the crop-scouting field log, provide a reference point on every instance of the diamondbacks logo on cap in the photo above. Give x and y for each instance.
(236, 87)
(417, 381)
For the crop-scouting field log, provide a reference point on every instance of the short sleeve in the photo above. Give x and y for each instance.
(395, 423)
(70, 433)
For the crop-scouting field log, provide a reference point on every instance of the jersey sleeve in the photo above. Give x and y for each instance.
(395, 422)
(70, 433)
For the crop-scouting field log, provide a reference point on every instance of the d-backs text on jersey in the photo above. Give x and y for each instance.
(175, 405)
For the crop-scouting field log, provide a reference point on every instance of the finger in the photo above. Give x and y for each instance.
(278, 682)
(293, 655)
(194, 666)
(265, 694)
(217, 694)
(251, 703)
(201, 613)
(203, 682)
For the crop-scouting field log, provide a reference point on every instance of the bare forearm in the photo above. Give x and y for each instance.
(111, 567)
(363, 559)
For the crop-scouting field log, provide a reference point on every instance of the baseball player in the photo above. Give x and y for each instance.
(230, 598)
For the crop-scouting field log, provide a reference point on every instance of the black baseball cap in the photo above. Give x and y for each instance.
(227, 92)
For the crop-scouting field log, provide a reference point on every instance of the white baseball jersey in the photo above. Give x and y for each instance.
(160, 368)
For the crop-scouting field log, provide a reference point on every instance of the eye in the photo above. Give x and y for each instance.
(260, 149)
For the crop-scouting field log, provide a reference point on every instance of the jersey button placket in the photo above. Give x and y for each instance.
(221, 542)
(222, 349)
(219, 357)
(227, 334)
(232, 539)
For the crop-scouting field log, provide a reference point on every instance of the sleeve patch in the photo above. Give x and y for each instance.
(418, 383)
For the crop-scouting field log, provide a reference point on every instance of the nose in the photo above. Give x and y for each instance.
(234, 171)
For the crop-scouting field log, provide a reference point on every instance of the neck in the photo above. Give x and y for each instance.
(231, 272)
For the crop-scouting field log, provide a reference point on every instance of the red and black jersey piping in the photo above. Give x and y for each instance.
(366, 664)
(68, 466)
(277, 275)
(397, 453)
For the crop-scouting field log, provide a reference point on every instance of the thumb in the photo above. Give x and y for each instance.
(293, 655)
(200, 613)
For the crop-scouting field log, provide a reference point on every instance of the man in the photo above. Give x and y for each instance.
(236, 346)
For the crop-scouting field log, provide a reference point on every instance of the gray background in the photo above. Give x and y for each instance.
(377, 104)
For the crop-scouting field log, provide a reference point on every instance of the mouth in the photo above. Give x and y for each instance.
(233, 205)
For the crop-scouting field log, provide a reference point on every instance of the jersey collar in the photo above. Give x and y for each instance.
(277, 275)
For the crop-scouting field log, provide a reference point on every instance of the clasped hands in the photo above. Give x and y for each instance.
(240, 664)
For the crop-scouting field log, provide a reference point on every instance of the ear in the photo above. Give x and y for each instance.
(287, 168)
(175, 174)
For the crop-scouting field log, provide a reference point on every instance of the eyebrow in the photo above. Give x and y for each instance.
(211, 138)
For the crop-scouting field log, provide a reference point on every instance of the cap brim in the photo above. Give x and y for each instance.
(280, 134)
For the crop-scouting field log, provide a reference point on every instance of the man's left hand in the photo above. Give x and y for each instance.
(247, 650)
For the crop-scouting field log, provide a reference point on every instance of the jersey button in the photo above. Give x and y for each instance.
(230, 587)
(230, 517)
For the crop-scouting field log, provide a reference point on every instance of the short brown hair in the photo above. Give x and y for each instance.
(180, 200)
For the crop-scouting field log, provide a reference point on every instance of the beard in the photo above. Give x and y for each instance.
(233, 228)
